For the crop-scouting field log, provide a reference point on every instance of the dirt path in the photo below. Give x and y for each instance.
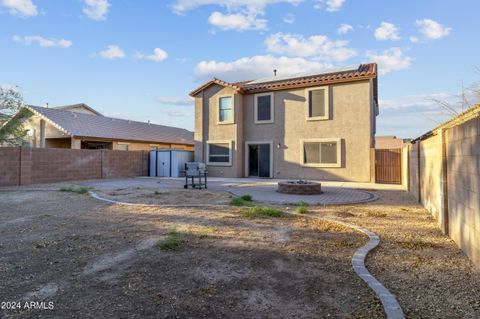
(92, 259)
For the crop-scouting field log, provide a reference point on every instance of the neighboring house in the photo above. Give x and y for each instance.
(316, 126)
(81, 127)
(389, 142)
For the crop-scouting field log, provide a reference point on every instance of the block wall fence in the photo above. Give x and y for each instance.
(444, 175)
(27, 166)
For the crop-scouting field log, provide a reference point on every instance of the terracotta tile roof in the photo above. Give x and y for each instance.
(94, 126)
(363, 72)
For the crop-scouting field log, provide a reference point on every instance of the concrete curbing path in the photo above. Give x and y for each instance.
(389, 301)
(98, 197)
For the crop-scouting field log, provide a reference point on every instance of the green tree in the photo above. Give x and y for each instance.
(12, 116)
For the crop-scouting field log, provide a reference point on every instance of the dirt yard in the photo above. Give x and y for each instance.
(92, 259)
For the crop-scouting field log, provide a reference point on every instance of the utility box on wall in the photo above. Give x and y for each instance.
(169, 162)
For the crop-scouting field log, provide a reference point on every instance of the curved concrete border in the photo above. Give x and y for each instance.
(389, 301)
(96, 196)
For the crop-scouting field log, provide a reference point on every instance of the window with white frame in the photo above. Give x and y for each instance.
(122, 146)
(225, 109)
(317, 103)
(264, 108)
(321, 153)
(219, 153)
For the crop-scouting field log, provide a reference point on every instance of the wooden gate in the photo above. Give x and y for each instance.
(388, 166)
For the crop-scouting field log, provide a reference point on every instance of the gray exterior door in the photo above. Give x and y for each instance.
(259, 160)
(163, 164)
(264, 160)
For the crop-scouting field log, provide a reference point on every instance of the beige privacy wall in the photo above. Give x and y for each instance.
(445, 176)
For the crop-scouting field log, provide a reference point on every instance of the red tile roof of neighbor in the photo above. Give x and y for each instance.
(362, 72)
(389, 142)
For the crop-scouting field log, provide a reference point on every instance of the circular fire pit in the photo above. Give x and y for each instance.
(300, 187)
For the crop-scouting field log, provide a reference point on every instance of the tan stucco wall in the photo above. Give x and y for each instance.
(33, 124)
(350, 120)
(207, 129)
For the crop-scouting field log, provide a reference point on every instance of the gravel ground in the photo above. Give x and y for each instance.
(92, 259)
(430, 275)
(158, 196)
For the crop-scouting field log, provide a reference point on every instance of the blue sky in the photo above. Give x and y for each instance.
(138, 59)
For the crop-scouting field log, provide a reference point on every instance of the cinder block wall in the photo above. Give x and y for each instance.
(431, 194)
(451, 190)
(463, 156)
(26, 166)
(9, 165)
(413, 186)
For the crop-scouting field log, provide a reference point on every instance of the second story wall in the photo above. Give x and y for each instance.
(349, 120)
(210, 128)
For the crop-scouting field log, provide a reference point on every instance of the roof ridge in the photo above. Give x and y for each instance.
(361, 72)
(105, 117)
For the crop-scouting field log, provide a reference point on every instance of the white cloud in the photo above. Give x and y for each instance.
(289, 18)
(413, 39)
(237, 21)
(157, 56)
(390, 60)
(387, 31)
(96, 9)
(175, 100)
(179, 112)
(423, 101)
(252, 6)
(112, 52)
(43, 42)
(432, 29)
(317, 46)
(344, 28)
(330, 5)
(25, 8)
(249, 68)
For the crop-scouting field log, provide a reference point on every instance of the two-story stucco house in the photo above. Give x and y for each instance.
(315, 126)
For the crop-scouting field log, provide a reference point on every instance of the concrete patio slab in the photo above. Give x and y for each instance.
(334, 193)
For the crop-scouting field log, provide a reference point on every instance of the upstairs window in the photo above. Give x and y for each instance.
(264, 108)
(317, 103)
(321, 153)
(225, 109)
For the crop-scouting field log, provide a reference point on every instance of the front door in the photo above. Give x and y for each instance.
(259, 160)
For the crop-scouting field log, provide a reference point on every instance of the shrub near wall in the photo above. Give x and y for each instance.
(25, 166)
